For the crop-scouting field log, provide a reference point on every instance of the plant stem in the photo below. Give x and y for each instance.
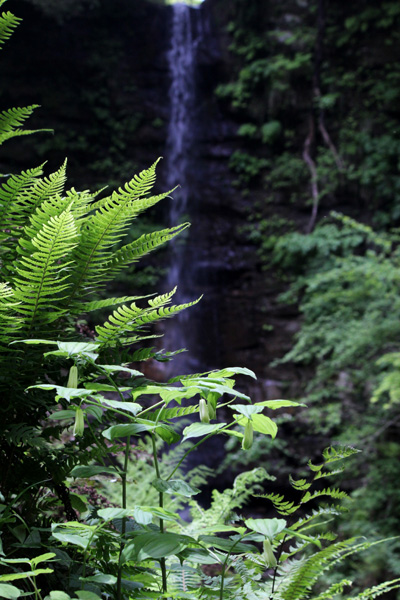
(161, 503)
(123, 526)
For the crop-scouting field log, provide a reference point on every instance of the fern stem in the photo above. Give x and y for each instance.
(161, 503)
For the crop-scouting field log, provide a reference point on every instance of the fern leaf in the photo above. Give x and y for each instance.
(14, 117)
(105, 228)
(9, 323)
(87, 307)
(301, 575)
(333, 590)
(281, 505)
(332, 493)
(138, 186)
(332, 454)
(299, 484)
(41, 278)
(142, 246)
(8, 22)
(377, 590)
(319, 512)
(132, 319)
(10, 193)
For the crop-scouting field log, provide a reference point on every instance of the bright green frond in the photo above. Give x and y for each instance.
(8, 22)
(130, 320)
(42, 277)
(143, 245)
(12, 199)
(87, 307)
(300, 576)
(102, 231)
(45, 188)
(9, 322)
(138, 186)
(11, 119)
(378, 590)
(331, 492)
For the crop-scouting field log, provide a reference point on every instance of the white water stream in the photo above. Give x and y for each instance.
(185, 36)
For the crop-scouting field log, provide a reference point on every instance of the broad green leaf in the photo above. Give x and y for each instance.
(62, 414)
(247, 410)
(261, 423)
(228, 371)
(57, 595)
(90, 470)
(274, 404)
(108, 514)
(33, 573)
(9, 592)
(267, 527)
(197, 555)
(142, 517)
(104, 578)
(95, 411)
(155, 545)
(78, 348)
(120, 368)
(175, 486)
(167, 433)
(63, 392)
(227, 545)
(125, 430)
(128, 406)
(42, 558)
(34, 342)
(78, 503)
(70, 538)
(86, 595)
(220, 528)
(160, 513)
(198, 429)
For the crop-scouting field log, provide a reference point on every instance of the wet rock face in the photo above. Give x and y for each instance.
(102, 79)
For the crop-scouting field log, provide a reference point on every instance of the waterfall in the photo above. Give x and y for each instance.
(185, 35)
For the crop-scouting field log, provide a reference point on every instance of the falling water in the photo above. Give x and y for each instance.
(180, 145)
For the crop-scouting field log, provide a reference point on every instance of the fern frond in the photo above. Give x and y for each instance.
(171, 413)
(332, 454)
(23, 434)
(332, 493)
(299, 484)
(319, 512)
(12, 118)
(142, 246)
(105, 228)
(298, 577)
(333, 590)
(11, 211)
(184, 578)
(87, 307)
(41, 279)
(9, 323)
(130, 319)
(139, 185)
(281, 505)
(377, 590)
(8, 22)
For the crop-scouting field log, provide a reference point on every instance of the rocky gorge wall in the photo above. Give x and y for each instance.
(102, 81)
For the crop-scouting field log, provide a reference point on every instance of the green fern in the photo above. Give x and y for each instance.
(8, 22)
(126, 321)
(40, 285)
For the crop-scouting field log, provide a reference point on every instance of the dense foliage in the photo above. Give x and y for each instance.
(315, 96)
